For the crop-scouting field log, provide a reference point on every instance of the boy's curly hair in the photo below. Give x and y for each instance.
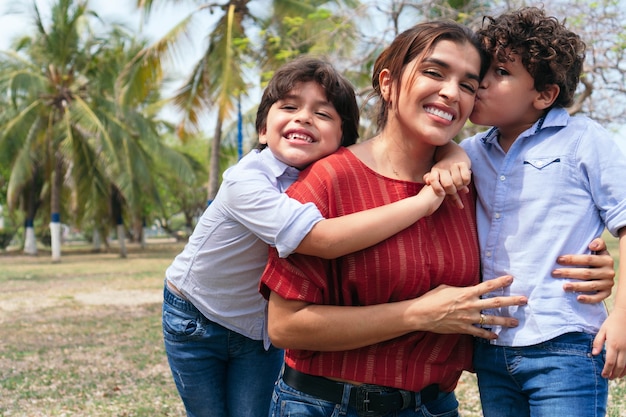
(549, 52)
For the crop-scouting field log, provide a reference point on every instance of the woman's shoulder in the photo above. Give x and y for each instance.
(341, 157)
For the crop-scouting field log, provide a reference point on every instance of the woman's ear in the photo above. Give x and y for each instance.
(384, 80)
(546, 98)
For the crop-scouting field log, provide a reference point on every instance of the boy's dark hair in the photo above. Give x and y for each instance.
(549, 52)
(339, 91)
(416, 43)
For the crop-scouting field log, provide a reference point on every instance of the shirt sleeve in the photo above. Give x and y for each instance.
(253, 198)
(603, 164)
(300, 277)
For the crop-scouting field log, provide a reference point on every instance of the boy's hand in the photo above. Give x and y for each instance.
(612, 334)
(596, 279)
(450, 179)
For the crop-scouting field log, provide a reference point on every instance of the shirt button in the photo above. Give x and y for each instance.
(497, 216)
(502, 177)
(488, 254)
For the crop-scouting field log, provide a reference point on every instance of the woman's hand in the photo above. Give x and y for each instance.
(459, 310)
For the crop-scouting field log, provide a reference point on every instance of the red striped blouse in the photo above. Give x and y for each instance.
(439, 249)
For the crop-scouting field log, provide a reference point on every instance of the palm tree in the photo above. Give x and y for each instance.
(218, 79)
(53, 123)
(87, 129)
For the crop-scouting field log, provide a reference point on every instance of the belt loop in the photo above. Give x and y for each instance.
(407, 396)
(345, 399)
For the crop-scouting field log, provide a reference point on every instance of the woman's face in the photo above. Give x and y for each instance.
(437, 93)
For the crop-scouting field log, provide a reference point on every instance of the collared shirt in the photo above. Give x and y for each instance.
(561, 182)
(219, 269)
(438, 249)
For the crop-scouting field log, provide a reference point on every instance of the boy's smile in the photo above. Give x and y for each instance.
(303, 126)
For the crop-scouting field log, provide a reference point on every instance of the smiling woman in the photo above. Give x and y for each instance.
(357, 338)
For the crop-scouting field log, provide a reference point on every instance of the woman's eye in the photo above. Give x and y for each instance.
(469, 87)
(432, 73)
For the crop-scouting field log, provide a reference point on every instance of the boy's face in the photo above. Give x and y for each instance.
(506, 97)
(303, 126)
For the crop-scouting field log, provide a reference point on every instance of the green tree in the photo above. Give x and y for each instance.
(76, 121)
(218, 79)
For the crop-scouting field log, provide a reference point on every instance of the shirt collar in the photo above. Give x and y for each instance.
(556, 117)
(277, 167)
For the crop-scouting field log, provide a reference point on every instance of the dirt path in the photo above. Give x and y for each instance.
(31, 284)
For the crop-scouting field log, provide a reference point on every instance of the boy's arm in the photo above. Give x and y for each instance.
(612, 332)
(451, 173)
(331, 238)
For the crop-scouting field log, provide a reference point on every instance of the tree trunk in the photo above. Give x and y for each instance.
(116, 212)
(96, 241)
(30, 240)
(121, 239)
(55, 208)
(214, 166)
(31, 206)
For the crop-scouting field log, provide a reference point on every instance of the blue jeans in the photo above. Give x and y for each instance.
(218, 372)
(289, 402)
(559, 377)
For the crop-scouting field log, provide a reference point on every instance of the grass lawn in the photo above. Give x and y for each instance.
(83, 338)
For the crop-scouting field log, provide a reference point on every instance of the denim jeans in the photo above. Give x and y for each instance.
(559, 377)
(289, 402)
(218, 372)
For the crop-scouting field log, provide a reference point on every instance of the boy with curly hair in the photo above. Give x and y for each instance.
(547, 183)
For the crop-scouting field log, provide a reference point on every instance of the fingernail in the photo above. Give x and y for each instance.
(556, 273)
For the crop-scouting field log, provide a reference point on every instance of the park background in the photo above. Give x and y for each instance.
(118, 118)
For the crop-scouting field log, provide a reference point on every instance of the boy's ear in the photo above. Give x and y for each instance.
(263, 136)
(546, 98)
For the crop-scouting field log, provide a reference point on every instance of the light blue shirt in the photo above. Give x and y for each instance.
(220, 267)
(561, 182)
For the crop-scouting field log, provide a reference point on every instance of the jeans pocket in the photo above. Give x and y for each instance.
(287, 401)
(444, 406)
(179, 325)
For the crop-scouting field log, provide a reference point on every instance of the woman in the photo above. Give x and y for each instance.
(385, 319)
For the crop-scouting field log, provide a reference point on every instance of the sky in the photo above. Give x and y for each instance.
(162, 20)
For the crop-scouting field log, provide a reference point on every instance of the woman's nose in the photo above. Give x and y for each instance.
(450, 90)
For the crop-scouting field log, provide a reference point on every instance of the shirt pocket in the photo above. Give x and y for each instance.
(542, 176)
(543, 163)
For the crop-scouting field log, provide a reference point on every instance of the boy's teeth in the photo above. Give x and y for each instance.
(300, 137)
(439, 113)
